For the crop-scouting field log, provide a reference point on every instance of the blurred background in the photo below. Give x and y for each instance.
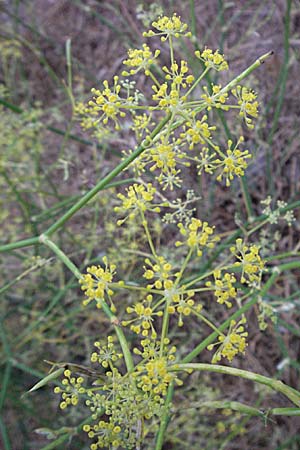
(47, 162)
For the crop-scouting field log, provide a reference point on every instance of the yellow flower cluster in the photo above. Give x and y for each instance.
(206, 161)
(250, 261)
(143, 323)
(215, 99)
(71, 391)
(178, 77)
(232, 344)
(198, 235)
(163, 156)
(247, 103)
(107, 434)
(153, 376)
(156, 377)
(167, 27)
(182, 302)
(106, 105)
(138, 200)
(160, 271)
(168, 94)
(106, 354)
(212, 60)
(172, 94)
(141, 59)
(223, 287)
(96, 282)
(233, 163)
(197, 131)
(168, 101)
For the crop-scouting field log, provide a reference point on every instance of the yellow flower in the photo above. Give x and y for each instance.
(145, 316)
(212, 60)
(233, 163)
(250, 261)
(178, 77)
(159, 272)
(138, 200)
(223, 287)
(140, 59)
(72, 389)
(106, 105)
(96, 282)
(168, 26)
(247, 103)
(197, 131)
(198, 235)
(232, 344)
(215, 99)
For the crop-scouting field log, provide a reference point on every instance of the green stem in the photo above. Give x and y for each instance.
(19, 244)
(5, 436)
(202, 75)
(119, 332)
(277, 385)
(227, 404)
(246, 196)
(165, 419)
(244, 74)
(43, 239)
(149, 239)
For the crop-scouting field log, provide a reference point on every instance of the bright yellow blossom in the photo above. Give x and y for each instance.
(140, 59)
(168, 26)
(232, 344)
(212, 60)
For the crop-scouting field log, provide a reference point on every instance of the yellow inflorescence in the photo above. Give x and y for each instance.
(159, 272)
(106, 105)
(197, 131)
(138, 200)
(247, 103)
(233, 163)
(72, 389)
(168, 26)
(224, 288)
(198, 235)
(106, 354)
(145, 314)
(178, 75)
(96, 282)
(212, 60)
(232, 344)
(140, 59)
(250, 261)
(183, 138)
(216, 98)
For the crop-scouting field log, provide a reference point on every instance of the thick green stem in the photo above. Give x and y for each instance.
(277, 385)
(60, 254)
(19, 244)
(165, 418)
(119, 332)
(244, 74)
